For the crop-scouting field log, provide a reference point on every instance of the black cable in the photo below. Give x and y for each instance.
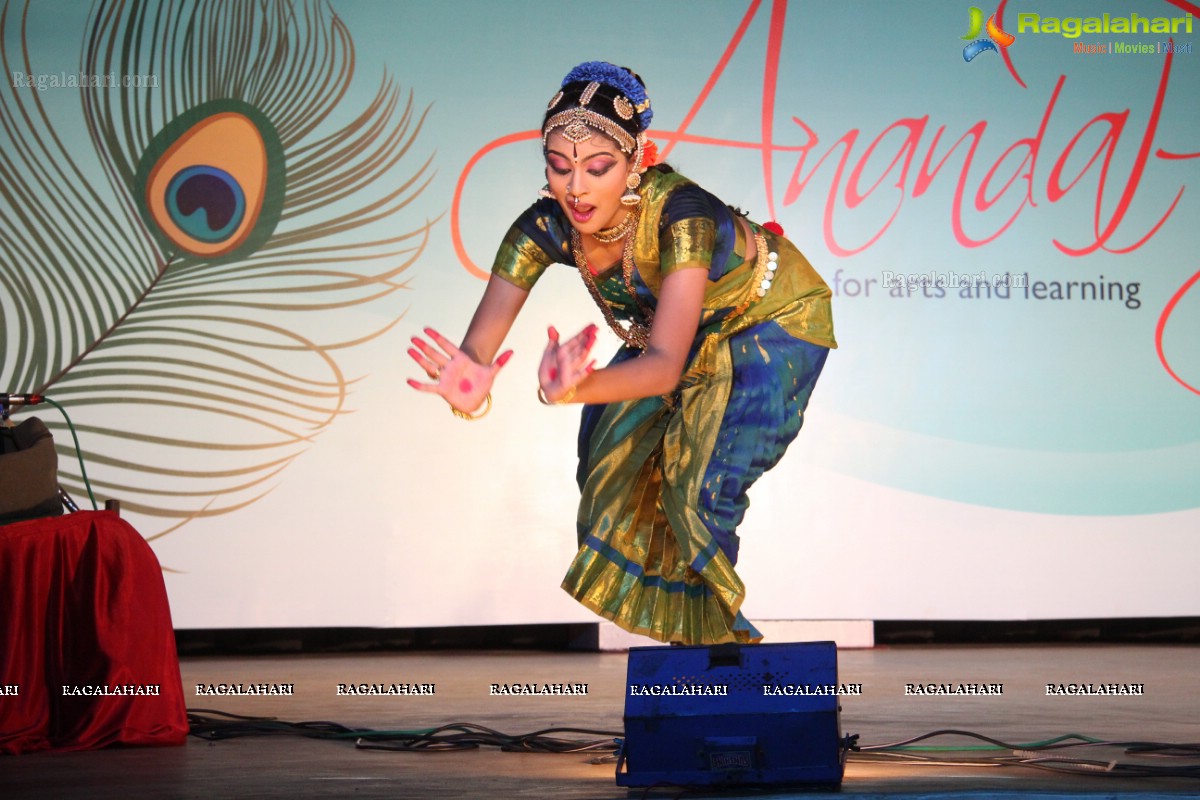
(465, 735)
(1048, 744)
(215, 725)
(452, 736)
(1030, 755)
(235, 725)
(1133, 747)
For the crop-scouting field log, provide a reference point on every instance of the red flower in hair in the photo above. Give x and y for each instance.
(649, 154)
(774, 227)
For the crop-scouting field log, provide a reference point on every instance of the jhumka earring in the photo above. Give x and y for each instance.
(631, 197)
(634, 180)
(545, 192)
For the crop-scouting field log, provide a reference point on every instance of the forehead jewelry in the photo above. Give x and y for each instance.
(577, 130)
(577, 123)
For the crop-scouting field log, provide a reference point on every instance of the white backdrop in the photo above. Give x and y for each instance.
(963, 457)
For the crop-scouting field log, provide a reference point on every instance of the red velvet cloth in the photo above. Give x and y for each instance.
(83, 610)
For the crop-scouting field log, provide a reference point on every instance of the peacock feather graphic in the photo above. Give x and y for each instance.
(170, 284)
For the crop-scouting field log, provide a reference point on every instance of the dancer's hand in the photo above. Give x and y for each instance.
(455, 375)
(565, 364)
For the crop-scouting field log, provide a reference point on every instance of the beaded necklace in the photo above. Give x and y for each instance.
(638, 333)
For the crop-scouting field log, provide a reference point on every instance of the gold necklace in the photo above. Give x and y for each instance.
(638, 333)
(616, 232)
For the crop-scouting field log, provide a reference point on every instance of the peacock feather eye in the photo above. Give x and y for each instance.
(211, 182)
(206, 203)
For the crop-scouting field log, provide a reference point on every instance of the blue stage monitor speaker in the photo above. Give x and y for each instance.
(732, 715)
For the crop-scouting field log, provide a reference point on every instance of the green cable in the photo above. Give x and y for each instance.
(78, 453)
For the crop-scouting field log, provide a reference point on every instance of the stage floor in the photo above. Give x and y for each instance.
(292, 767)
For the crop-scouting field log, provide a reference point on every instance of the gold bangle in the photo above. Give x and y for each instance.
(566, 398)
(471, 417)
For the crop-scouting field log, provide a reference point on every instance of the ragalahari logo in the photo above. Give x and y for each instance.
(995, 35)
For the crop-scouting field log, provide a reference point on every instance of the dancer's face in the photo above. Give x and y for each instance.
(588, 179)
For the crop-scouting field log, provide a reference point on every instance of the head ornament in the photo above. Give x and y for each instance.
(600, 96)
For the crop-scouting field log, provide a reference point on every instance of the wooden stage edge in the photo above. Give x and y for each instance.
(606, 636)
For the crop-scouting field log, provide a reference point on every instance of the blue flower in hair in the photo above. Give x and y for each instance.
(619, 78)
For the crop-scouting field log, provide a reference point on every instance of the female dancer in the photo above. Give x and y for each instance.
(726, 327)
